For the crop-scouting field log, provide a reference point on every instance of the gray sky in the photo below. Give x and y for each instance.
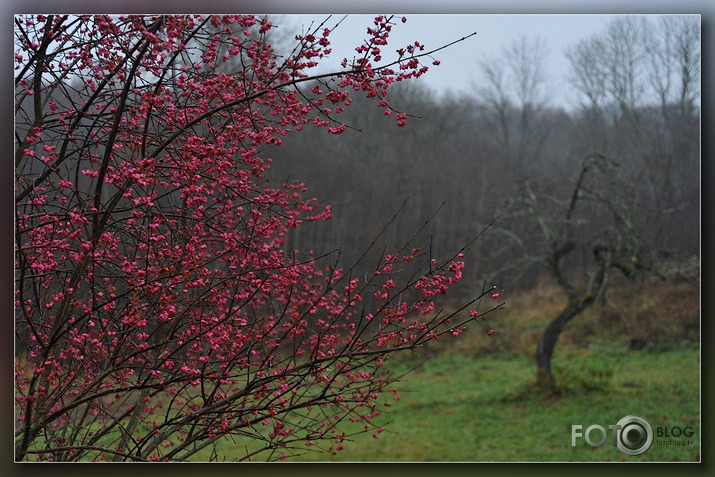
(459, 68)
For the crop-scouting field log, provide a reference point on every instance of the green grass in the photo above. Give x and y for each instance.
(458, 408)
(482, 409)
(472, 400)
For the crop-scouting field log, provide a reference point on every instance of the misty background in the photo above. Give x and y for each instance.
(505, 128)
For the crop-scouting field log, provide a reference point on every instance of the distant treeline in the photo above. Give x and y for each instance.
(478, 150)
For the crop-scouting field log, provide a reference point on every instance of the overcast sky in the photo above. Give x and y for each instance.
(459, 68)
(560, 23)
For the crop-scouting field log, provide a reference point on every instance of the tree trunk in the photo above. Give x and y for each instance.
(544, 351)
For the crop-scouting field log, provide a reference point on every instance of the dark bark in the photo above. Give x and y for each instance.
(545, 380)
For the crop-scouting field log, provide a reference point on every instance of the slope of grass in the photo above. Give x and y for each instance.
(482, 410)
(472, 398)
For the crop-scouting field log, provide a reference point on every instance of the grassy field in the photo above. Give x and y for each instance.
(472, 399)
(482, 409)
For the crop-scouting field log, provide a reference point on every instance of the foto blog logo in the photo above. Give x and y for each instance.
(633, 435)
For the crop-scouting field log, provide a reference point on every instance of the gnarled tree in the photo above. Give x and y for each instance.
(587, 234)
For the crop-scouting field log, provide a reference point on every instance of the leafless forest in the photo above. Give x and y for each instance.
(478, 155)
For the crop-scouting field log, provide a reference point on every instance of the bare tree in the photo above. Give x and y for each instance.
(513, 92)
(597, 220)
(626, 55)
(673, 50)
(639, 82)
(607, 68)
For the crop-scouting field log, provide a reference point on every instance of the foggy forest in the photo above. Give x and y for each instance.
(475, 155)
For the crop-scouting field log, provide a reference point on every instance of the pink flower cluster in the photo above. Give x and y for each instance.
(154, 272)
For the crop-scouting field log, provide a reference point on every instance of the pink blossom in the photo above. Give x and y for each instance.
(167, 270)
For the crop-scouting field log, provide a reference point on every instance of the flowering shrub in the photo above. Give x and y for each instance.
(159, 306)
